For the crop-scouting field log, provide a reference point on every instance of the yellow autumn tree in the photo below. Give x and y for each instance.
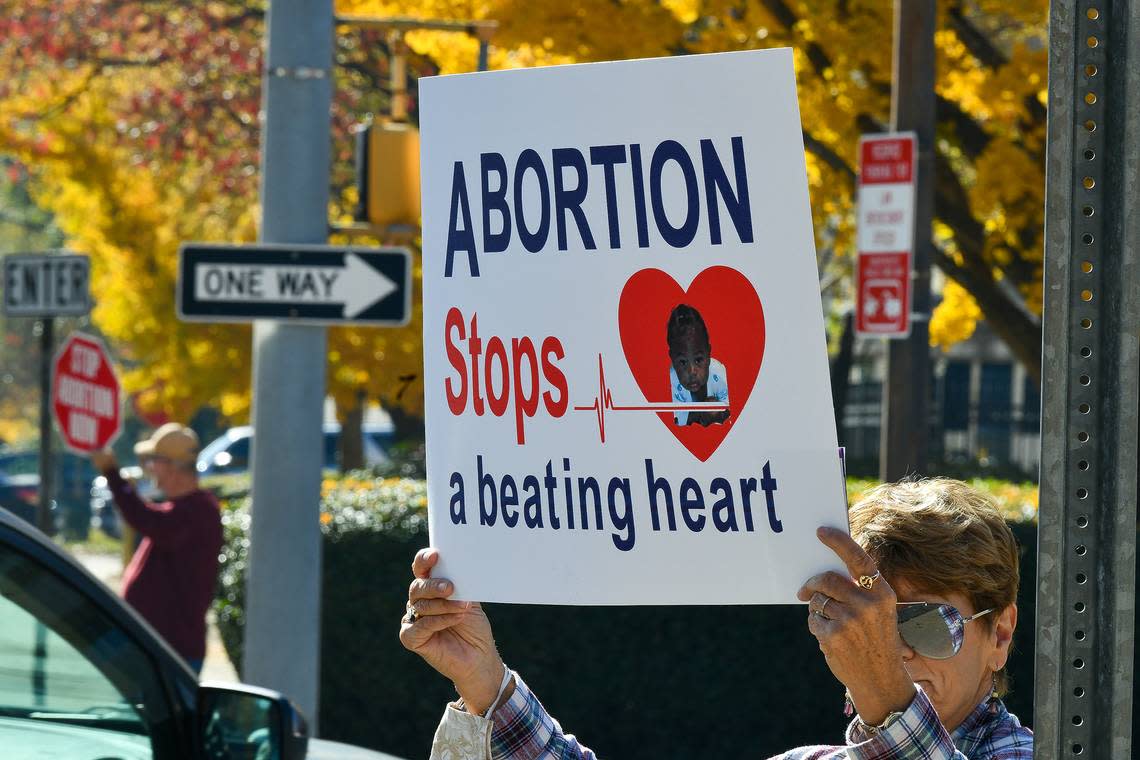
(138, 121)
(990, 95)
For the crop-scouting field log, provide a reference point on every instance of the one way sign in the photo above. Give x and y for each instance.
(313, 284)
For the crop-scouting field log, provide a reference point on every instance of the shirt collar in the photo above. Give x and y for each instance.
(976, 727)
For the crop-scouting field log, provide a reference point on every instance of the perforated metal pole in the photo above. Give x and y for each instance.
(1091, 371)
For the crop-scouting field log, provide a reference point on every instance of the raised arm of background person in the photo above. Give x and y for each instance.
(165, 524)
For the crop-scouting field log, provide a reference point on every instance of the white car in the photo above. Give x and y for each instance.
(229, 452)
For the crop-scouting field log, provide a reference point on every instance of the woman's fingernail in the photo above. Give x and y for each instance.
(441, 585)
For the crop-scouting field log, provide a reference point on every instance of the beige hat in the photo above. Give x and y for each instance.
(172, 441)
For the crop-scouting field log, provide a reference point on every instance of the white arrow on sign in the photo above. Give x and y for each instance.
(355, 284)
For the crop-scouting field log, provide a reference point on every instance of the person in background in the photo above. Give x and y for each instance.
(918, 629)
(170, 580)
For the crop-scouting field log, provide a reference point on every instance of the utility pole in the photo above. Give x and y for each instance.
(283, 603)
(906, 392)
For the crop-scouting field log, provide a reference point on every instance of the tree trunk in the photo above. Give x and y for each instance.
(352, 436)
(841, 370)
(409, 427)
(1003, 313)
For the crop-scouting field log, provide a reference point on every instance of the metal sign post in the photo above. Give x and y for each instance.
(1086, 580)
(43, 507)
(46, 285)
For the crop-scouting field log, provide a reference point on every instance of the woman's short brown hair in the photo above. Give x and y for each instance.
(942, 537)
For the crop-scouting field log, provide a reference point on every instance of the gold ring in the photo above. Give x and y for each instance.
(868, 581)
(820, 610)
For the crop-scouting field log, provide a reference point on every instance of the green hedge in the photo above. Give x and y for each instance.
(632, 682)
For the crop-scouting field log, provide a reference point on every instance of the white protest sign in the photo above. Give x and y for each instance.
(627, 392)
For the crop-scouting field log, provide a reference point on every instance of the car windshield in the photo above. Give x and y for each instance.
(212, 449)
(64, 666)
(20, 463)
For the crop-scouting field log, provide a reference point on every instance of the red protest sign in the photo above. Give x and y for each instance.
(885, 234)
(883, 294)
(886, 159)
(85, 394)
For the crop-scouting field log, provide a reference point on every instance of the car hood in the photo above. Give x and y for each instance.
(42, 739)
(322, 749)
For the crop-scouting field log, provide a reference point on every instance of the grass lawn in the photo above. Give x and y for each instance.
(97, 542)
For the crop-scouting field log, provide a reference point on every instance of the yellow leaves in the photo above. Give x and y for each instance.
(234, 405)
(129, 208)
(814, 169)
(18, 421)
(948, 44)
(686, 11)
(130, 215)
(955, 318)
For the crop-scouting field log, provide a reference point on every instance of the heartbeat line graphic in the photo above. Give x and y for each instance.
(605, 401)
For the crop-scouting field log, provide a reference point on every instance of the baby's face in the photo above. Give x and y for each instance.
(690, 357)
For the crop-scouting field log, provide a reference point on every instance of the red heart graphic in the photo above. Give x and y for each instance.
(735, 320)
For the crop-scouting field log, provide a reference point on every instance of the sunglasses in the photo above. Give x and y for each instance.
(933, 630)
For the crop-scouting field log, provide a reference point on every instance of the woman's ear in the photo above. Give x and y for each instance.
(1004, 626)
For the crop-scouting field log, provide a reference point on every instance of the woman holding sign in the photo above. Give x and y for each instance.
(918, 632)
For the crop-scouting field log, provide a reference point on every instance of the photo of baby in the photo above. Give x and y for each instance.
(694, 375)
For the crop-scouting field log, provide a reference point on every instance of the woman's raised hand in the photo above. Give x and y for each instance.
(857, 627)
(453, 637)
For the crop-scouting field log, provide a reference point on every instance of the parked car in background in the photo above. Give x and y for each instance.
(83, 676)
(71, 478)
(20, 494)
(229, 452)
(228, 455)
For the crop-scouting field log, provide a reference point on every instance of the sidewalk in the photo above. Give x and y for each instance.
(108, 568)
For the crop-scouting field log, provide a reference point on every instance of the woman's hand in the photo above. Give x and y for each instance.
(857, 629)
(453, 637)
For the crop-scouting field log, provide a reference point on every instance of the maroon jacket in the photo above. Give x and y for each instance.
(171, 579)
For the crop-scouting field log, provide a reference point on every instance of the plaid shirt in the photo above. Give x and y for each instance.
(523, 730)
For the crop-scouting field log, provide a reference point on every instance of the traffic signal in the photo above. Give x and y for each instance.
(388, 174)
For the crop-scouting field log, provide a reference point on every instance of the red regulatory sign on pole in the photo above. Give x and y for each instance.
(85, 396)
(885, 234)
